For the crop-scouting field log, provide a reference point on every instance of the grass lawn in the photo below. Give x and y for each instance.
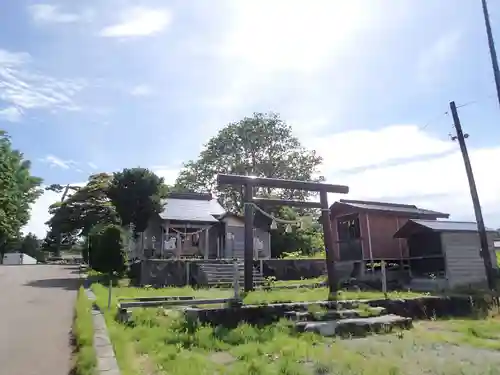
(255, 297)
(162, 342)
(83, 333)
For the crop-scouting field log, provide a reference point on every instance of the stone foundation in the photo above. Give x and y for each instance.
(418, 308)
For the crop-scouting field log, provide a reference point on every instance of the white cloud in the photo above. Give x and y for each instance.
(139, 21)
(92, 165)
(11, 114)
(9, 59)
(141, 90)
(438, 182)
(292, 34)
(54, 161)
(40, 214)
(431, 62)
(48, 13)
(279, 59)
(363, 148)
(23, 88)
(168, 173)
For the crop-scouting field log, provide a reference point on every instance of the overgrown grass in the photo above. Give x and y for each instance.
(83, 334)
(315, 280)
(257, 296)
(479, 333)
(163, 342)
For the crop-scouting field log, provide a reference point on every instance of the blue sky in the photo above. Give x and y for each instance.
(98, 86)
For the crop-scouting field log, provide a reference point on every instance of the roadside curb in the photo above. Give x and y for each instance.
(106, 360)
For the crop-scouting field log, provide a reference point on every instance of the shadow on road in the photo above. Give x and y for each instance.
(64, 283)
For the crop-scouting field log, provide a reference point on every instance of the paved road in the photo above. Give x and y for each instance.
(36, 313)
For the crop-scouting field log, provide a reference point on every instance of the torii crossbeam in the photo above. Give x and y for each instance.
(249, 183)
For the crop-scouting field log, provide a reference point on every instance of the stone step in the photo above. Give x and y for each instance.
(230, 277)
(356, 327)
(230, 280)
(227, 274)
(230, 283)
(300, 316)
(221, 267)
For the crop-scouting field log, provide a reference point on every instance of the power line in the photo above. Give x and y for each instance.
(434, 120)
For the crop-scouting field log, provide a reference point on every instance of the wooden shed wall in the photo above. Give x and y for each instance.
(464, 264)
(382, 229)
(377, 231)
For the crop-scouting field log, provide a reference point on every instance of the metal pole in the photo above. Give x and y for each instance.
(485, 253)
(329, 247)
(248, 254)
(491, 45)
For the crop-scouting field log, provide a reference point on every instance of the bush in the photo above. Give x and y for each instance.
(107, 254)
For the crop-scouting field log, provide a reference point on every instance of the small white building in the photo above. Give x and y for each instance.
(17, 259)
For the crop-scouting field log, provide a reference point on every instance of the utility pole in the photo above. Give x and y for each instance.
(491, 45)
(485, 252)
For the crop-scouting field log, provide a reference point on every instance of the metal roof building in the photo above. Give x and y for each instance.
(192, 207)
(446, 254)
(397, 208)
(364, 230)
(416, 226)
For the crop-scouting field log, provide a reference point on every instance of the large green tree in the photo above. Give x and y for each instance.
(262, 145)
(74, 217)
(30, 245)
(302, 240)
(137, 195)
(131, 196)
(18, 190)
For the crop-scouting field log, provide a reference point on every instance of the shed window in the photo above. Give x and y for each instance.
(349, 237)
(348, 228)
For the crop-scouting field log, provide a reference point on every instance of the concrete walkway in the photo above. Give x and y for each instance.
(36, 304)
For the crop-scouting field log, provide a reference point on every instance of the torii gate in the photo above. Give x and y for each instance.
(249, 183)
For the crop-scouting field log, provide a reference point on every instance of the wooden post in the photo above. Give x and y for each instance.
(249, 182)
(218, 245)
(179, 245)
(167, 233)
(188, 264)
(109, 289)
(248, 253)
(236, 280)
(329, 247)
(384, 279)
(369, 241)
(206, 249)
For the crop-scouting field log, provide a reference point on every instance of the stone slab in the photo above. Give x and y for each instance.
(356, 326)
(334, 314)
